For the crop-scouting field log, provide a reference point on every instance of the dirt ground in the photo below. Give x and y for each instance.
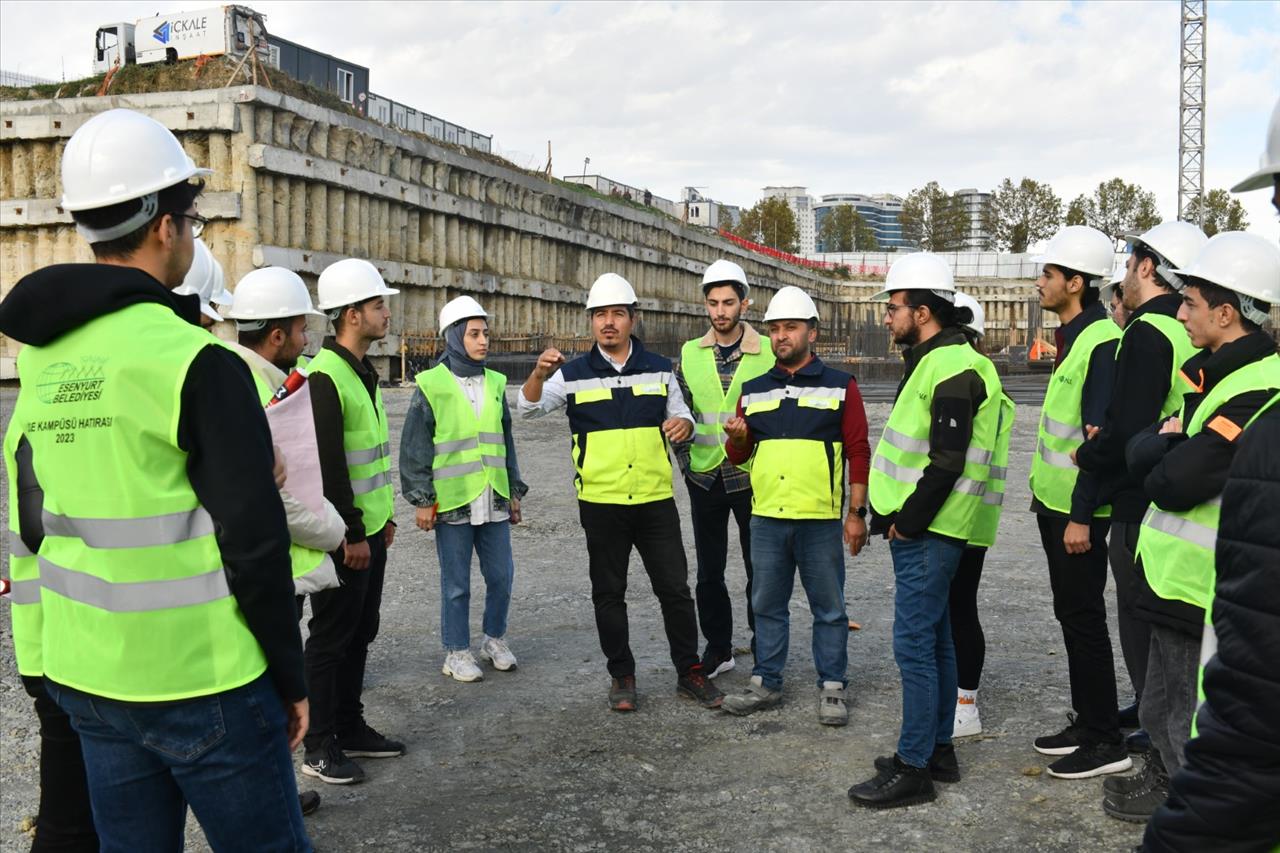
(533, 760)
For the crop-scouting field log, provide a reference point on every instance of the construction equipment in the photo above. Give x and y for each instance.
(215, 31)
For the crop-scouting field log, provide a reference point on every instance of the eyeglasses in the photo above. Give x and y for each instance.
(891, 308)
(198, 222)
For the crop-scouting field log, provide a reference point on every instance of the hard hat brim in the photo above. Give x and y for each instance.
(207, 310)
(1261, 179)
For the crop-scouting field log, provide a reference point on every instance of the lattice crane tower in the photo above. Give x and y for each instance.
(1191, 112)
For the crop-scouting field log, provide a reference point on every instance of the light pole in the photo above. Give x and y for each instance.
(586, 161)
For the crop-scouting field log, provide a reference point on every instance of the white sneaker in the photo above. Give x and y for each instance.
(495, 650)
(462, 666)
(967, 721)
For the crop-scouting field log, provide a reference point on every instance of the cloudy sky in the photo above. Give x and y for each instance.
(838, 97)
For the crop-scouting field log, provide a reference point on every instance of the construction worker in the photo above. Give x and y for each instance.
(161, 607)
(205, 280)
(1227, 294)
(625, 408)
(711, 373)
(1113, 295)
(1268, 173)
(355, 466)
(458, 467)
(1146, 388)
(962, 606)
(803, 425)
(928, 479)
(1072, 518)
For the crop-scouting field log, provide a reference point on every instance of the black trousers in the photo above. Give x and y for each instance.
(344, 622)
(710, 510)
(1079, 583)
(1135, 632)
(654, 530)
(65, 820)
(966, 628)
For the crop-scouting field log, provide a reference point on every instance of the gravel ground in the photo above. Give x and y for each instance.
(533, 759)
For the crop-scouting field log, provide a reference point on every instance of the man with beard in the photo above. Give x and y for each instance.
(711, 373)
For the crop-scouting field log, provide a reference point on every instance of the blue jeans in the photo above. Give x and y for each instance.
(923, 569)
(780, 546)
(454, 545)
(227, 755)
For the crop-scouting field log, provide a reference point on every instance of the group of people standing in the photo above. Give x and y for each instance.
(163, 544)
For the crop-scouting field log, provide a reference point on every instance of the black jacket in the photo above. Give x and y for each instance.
(1143, 369)
(955, 404)
(221, 427)
(1181, 473)
(1226, 797)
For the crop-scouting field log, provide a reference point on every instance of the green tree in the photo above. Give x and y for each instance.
(1021, 214)
(934, 220)
(1116, 208)
(844, 230)
(771, 222)
(1221, 213)
(864, 238)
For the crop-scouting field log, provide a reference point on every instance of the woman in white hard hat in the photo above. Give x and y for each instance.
(458, 467)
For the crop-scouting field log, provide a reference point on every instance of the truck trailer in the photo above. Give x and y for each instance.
(183, 35)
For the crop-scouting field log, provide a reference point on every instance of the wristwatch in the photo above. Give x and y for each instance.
(861, 512)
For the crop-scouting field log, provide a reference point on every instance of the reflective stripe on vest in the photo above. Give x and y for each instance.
(365, 438)
(134, 601)
(1183, 350)
(470, 451)
(988, 518)
(1177, 548)
(1053, 473)
(902, 454)
(713, 404)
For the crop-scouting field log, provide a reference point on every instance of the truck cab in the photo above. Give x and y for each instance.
(113, 45)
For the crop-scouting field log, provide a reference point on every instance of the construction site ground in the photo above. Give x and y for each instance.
(534, 760)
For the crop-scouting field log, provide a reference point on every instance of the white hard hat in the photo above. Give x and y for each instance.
(919, 271)
(1177, 243)
(205, 273)
(1081, 249)
(349, 281)
(1244, 263)
(979, 323)
(461, 308)
(1269, 162)
(1107, 291)
(117, 156)
(270, 293)
(725, 272)
(610, 289)
(791, 303)
(218, 293)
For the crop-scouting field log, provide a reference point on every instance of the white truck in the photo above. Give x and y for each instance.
(183, 35)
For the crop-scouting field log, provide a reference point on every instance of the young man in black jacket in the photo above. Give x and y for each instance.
(1185, 460)
(1150, 352)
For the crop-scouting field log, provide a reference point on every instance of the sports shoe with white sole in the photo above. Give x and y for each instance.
(496, 652)
(462, 666)
(1092, 759)
(968, 723)
(832, 710)
(328, 764)
(715, 662)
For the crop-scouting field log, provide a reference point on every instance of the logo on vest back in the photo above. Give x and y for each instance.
(64, 382)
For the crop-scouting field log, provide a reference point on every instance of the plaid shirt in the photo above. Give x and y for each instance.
(735, 479)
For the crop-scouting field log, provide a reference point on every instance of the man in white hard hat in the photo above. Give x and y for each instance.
(962, 607)
(1183, 462)
(1267, 175)
(1151, 350)
(458, 467)
(929, 475)
(355, 465)
(205, 281)
(625, 410)
(711, 373)
(1071, 516)
(802, 426)
(1113, 295)
(151, 563)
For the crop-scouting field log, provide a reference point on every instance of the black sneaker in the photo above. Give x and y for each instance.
(901, 785)
(1129, 717)
(367, 743)
(308, 801)
(1095, 758)
(328, 764)
(1064, 742)
(716, 662)
(1128, 784)
(943, 766)
(1138, 806)
(694, 685)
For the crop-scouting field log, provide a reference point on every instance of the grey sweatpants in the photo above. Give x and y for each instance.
(1169, 696)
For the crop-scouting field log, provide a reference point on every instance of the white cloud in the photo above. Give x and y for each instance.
(835, 96)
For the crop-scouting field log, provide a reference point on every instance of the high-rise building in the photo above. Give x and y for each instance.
(801, 204)
(975, 208)
(881, 213)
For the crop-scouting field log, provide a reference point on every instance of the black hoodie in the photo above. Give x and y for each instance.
(221, 427)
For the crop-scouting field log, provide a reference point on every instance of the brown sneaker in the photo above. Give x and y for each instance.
(694, 685)
(622, 693)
